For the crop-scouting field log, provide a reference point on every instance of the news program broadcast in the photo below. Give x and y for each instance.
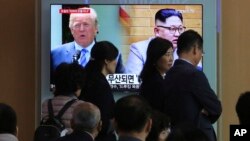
(126, 26)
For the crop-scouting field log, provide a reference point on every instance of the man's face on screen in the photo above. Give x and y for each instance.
(84, 30)
(170, 30)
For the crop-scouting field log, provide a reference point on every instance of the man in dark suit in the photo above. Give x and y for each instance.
(189, 97)
(86, 123)
(132, 118)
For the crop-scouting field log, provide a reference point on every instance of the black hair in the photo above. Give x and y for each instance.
(68, 78)
(242, 108)
(157, 47)
(187, 132)
(8, 119)
(131, 113)
(160, 123)
(187, 40)
(101, 50)
(163, 14)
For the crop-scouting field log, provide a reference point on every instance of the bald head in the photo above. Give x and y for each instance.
(86, 117)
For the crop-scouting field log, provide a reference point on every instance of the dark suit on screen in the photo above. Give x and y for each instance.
(98, 92)
(77, 136)
(152, 89)
(187, 93)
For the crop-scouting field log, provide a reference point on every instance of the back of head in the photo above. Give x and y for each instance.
(160, 123)
(101, 51)
(132, 113)
(163, 14)
(187, 132)
(187, 40)
(69, 78)
(8, 119)
(86, 117)
(242, 108)
(156, 49)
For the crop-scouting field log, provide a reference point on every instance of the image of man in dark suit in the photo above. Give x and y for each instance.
(132, 118)
(86, 123)
(189, 97)
(84, 28)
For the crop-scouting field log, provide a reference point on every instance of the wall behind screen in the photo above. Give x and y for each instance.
(235, 59)
(18, 62)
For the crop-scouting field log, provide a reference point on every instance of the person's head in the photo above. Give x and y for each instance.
(159, 57)
(84, 26)
(169, 25)
(242, 108)
(86, 117)
(132, 116)
(8, 120)
(103, 58)
(187, 132)
(190, 46)
(69, 79)
(160, 127)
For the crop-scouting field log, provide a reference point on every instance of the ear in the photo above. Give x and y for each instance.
(106, 61)
(149, 125)
(72, 124)
(96, 30)
(195, 49)
(99, 126)
(115, 125)
(17, 131)
(71, 31)
(156, 31)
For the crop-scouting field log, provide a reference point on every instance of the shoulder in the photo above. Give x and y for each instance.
(141, 44)
(154, 81)
(63, 47)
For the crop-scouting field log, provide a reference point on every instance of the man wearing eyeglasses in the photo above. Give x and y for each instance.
(168, 25)
(84, 28)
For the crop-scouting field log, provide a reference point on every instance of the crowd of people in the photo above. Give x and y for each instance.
(175, 102)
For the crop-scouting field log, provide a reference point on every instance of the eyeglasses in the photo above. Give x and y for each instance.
(79, 25)
(173, 30)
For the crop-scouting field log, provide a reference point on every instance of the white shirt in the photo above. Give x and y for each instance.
(88, 48)
(8, 137)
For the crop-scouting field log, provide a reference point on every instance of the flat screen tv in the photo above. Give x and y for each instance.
(123, 23)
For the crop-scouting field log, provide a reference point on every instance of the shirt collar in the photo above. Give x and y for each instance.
(186, 60)
(89, 47)
(90, 135)
(128, 138)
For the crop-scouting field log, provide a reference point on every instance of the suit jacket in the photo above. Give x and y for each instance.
(76, 136)
(187, 93)
(65, 52)
(127, 138)
(152, 89)
(98, 92)
(137, 57)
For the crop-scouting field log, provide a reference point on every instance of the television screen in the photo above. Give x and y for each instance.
(122, 25)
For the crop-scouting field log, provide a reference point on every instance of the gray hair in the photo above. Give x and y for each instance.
(86, 116)
(92, 15)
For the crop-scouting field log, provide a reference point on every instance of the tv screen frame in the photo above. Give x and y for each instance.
(209, 33)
